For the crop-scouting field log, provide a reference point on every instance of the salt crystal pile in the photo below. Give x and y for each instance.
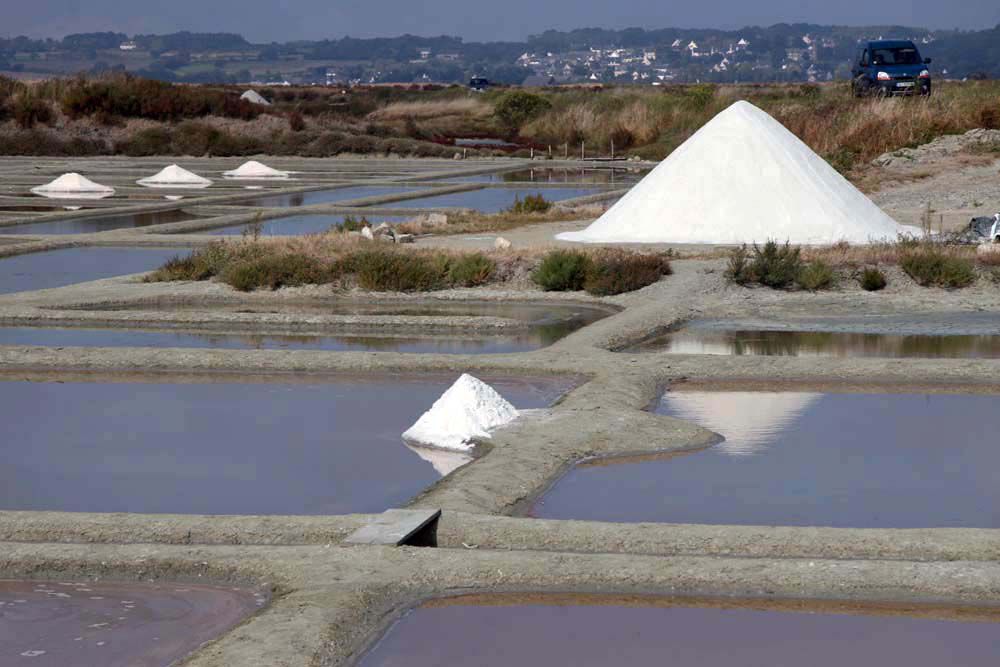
(174, 177)
(255, 171)
(468, 410)
(73, 186)
(742, 178)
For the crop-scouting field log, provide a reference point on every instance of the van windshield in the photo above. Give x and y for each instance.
(902, 56)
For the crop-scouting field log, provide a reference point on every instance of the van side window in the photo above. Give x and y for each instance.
(864, 58)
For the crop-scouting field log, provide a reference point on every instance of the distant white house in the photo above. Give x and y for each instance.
(128, 46)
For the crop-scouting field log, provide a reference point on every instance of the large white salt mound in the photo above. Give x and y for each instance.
(254, 170)
(742, 178)
(73, 186)
(254, 97)
(175, 177)
(468, 410)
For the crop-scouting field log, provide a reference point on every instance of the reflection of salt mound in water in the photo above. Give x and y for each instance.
(468, 410)
(73, 186)
(174, 177)
(748, 420)
(254, 170)
(741, 178)
(444, 461)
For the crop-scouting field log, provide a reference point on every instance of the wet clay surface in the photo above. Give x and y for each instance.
(223, 448)
(806, 459)
(558, 630)
(56, 268)
(104, 624)
(98, 224)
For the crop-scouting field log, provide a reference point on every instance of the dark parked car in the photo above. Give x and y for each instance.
(479, 84)
(890, 68)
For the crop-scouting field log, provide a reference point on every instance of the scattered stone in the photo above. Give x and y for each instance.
(404, 238)
(383, 230)
(431, 220)
(501, 243)
(457, 156)
(939, 148)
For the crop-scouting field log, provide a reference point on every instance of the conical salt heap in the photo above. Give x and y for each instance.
(73, 186)
(175, 177)
(254, 170)
(468, 410)
(742, 178)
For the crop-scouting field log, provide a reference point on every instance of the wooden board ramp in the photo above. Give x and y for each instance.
(396, 527)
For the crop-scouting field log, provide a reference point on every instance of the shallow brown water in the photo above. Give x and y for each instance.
(104, 624)
(645, 632)
(806, 459)
(329, 447)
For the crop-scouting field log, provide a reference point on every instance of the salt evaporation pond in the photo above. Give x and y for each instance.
(57, 268)
(805, 459)
(326, 196)
(624, 177)
(493, 200)
(326, 447)
(107, 624)
(299, 225)
(821, 344)
(99, 223)
(547, 323)
(545, 630)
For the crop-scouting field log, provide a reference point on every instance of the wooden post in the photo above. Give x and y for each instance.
(612, 149)
(583, 150)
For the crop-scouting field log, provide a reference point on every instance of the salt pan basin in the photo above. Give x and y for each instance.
(805, 459)
(637, 631)
(329, 447)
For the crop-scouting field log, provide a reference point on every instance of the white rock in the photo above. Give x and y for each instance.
(431, 219)
(501, 243)
(254, 97)
(367, 233)
(383, 229)
(73, 186)
(470, 409)
(742, 178)
(174, 177)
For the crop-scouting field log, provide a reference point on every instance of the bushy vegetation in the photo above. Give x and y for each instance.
(817, 275)
(535, 203)
(872, 280)
(773, 265)
(930, 266)
(471, 270)
(614, 271)
(602, 273)
(562, 271)
(514, 108)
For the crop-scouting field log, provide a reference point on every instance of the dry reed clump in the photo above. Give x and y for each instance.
(476, 223)
(432, 109)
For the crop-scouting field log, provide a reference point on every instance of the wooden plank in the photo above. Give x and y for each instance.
(395, 527)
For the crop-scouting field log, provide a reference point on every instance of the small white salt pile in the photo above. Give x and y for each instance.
(468, 410)
(742, 178)
(255, 171)
(174, 177)
(73, 186)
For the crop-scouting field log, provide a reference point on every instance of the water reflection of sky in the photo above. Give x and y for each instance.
(842, 460)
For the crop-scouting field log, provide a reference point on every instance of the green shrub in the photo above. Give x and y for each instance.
(471, 270)
(931, 267)
(29, 110)
(618, 271)
(274, 271)
(738, 268)
(873, 280)
(517, 107)
(385, 270)
(815, 276)
(535, 203)
(561, 271)
(776, 266)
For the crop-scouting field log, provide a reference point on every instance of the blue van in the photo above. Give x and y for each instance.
(890, 68)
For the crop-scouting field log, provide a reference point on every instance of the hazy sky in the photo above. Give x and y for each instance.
(267, 20)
